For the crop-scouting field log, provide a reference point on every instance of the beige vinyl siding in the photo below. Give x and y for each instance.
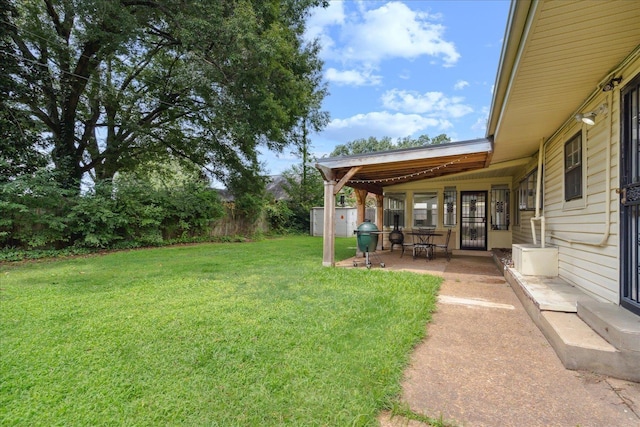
(592, 268)
(584, 268)
(522, 232)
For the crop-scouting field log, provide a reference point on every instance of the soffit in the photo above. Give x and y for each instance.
(570, 48)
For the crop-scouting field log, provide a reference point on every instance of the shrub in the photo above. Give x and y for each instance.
(142, 214)
(248, 189)
(34, 211)
(94, 220)
(279, 216)
(190, 209)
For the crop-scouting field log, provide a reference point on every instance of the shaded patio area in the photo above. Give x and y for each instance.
(393, 260)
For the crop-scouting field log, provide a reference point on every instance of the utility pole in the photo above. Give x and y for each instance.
(305, 154)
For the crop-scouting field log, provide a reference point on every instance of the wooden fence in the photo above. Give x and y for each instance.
(232, 224)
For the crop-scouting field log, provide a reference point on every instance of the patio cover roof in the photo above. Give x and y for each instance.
(374, 171)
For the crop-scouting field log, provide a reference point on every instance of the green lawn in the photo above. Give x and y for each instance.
(214, 334)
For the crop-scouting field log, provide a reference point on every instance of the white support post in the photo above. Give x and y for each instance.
(329, 232)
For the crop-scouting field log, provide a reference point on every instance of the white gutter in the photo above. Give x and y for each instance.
(607, 206)
(537, 217)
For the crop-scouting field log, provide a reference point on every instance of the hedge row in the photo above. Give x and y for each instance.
(36, 213)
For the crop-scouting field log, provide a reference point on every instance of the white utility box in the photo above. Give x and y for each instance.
(346, 220)
(532, 260)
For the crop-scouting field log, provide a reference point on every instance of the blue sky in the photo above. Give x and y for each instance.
(404, 68)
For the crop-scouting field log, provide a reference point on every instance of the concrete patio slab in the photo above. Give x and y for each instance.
(485, 365)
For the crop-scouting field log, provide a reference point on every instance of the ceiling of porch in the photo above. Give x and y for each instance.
(374, 171)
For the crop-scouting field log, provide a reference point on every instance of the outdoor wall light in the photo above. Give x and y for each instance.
(590, 117)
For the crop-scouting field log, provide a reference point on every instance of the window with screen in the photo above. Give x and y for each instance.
(450, 201)
(573, 168)
(500, 207)
(425, 210)
(527, 192)
(394, 209)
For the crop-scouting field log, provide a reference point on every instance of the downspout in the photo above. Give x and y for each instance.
(537, 217)
(607, 207)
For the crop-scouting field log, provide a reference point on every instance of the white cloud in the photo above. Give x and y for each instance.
(405, 74)
(352, 77)
(379, 124)
(435, 103)
(480, 125)
(320, 21)
(460, 84)
(323, 17)
(394, 30)
(370, 36)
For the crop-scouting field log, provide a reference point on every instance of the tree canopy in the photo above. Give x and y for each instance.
(19, 136)
(373, 144)
(108, 84)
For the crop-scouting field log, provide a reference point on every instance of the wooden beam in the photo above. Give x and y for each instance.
(361, 200)
(329, 231)
(327, 173)
(379, 218)
(371, 188)
(345, 178)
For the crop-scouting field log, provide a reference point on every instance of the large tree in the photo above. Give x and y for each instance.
(118, 82)
(20, 141)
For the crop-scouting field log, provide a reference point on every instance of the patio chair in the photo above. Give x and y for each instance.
(408, 244)
(422, 242)
(444, 247)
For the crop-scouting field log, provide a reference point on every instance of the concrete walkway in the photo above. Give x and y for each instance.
(485, 363)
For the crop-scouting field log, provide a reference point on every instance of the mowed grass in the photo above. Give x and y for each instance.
(248, 334)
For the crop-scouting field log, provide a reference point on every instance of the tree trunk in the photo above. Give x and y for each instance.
(64, 156)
